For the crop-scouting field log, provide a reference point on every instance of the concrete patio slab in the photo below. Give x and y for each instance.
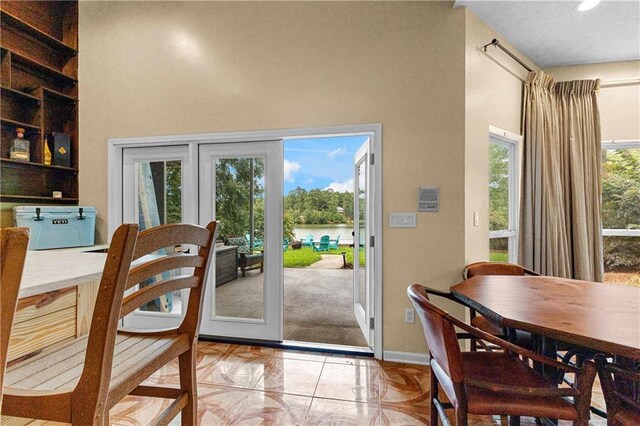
(318, 304)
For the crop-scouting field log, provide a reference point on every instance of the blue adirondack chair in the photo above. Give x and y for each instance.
(307, 242)
(323, 245)
(257, 242)
(333, 244)
(285, 244)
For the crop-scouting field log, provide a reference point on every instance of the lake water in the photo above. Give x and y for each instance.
(343, 230)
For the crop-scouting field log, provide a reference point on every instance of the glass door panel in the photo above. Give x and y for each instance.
(239, 206)
(362, 291)
(153, 195)
(241, 187)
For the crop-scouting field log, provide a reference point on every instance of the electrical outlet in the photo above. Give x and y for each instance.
(476, 218)
(409, 316)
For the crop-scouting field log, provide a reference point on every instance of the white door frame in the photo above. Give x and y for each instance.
(374, 130)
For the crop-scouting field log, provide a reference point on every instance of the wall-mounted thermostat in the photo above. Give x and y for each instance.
(428, 199)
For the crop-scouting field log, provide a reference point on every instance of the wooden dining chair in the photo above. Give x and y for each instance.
(13, 251)
(79, 382)
(494, 383)
(621, 389)
(496, 268)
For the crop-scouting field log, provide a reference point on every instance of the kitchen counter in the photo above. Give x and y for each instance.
(51, 270)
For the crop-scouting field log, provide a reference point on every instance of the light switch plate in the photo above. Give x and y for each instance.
(402, 220)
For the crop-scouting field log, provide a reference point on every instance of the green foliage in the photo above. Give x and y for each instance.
(300, 258)
(621, 206)
(306, 256)
(498, 187)
(349, 256)
(319, 206)
(233, 184)
(498, 256)
(288, 225)
(173, 196)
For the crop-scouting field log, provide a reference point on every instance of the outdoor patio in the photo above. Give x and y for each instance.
(318, 303)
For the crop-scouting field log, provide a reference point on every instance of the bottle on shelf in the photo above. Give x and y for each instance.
(47, 153)
(20, 147)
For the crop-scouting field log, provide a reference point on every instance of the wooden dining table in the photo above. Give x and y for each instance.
(602, 317)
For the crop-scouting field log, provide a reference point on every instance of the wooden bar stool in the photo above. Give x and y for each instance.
(13, 250)
(80, 381)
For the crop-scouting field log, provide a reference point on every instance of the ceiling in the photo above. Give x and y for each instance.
(554, 33)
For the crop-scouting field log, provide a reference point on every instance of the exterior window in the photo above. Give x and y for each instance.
(621, 211)
(503, 198)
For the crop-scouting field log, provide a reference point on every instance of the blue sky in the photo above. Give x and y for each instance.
(320, 163)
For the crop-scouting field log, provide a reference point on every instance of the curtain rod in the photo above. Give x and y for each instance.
(496, 43)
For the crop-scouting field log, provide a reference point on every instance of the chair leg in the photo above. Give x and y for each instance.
(461, 416)
(187, 365)
(433, 394)
(514, 420)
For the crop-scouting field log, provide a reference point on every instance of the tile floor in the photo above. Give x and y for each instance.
(248, 385)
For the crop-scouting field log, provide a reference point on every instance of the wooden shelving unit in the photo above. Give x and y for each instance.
(38, 92)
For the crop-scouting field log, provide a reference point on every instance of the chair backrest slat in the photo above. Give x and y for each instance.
(13, 251)
(494, 268)
(155, 267)
(153, 239)
(155, 290)
(439, 333)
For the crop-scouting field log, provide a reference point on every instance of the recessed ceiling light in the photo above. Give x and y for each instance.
(587, 5)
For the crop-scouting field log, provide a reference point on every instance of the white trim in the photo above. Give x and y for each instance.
(407, 357)
(505, 134)
(625, 144)
(621, 232)
(254, 135)
(114, 156)
(502, 234)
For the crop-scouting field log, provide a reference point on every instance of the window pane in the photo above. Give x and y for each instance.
(498, 187)
(621, 210)
(499, 249)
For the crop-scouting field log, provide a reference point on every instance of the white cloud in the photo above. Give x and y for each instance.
(335, 152)
(346, 186)
(290, 168)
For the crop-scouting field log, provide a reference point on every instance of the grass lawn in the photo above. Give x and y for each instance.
(306, 256)
(300, 258)
(499, 256)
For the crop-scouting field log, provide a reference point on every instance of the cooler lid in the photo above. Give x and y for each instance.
(54, 209)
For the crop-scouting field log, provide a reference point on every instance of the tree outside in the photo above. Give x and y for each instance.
(498, 200)
(621, 210)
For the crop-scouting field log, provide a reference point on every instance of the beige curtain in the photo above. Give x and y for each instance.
(560, 228)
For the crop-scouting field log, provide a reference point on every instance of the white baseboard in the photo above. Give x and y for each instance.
(406, 357)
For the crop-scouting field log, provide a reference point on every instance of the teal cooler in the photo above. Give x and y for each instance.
(57, 226)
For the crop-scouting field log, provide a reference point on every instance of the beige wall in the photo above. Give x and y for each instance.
(493, 97)
(167, 68)
(619, 103)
